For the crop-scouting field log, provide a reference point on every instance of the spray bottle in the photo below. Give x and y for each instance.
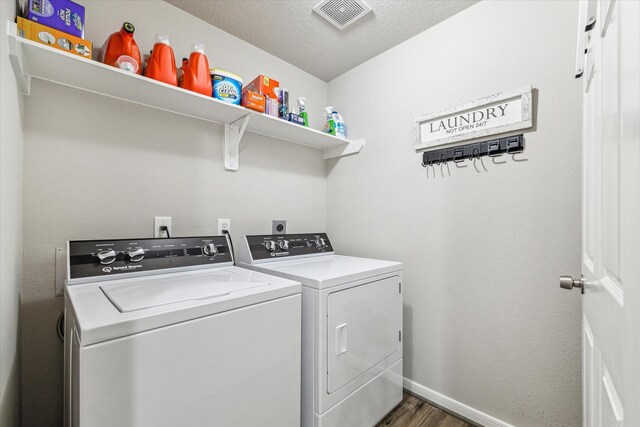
(341, 127)
(330, 125)
(302, 111)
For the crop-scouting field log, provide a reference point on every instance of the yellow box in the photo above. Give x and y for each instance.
(50, 36)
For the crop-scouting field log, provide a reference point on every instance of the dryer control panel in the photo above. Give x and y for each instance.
(100, 258)
(272, 246)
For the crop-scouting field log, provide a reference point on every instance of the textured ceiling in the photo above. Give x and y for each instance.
(290, 30)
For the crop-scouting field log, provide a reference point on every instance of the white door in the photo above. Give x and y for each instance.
(611, 212)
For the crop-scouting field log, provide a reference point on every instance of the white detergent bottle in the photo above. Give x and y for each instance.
(341, 127)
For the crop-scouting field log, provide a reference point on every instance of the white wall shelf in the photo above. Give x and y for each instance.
(34, 60)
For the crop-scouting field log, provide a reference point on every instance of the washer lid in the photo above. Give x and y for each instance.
(137, 296)
(106, 310)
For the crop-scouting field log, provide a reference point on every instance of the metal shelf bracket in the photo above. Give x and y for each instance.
(232, 136)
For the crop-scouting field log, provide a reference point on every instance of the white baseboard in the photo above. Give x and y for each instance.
(454, 406)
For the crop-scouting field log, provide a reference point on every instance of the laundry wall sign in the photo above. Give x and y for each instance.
(491, 115)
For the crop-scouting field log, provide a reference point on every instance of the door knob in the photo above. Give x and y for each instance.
(568, 282)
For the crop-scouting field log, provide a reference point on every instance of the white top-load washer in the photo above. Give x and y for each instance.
(351, 326)
(167, 332)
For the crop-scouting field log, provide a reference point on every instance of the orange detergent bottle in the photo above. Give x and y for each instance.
(119, 44)
(181, 70)
(196, 72)
(161, 65)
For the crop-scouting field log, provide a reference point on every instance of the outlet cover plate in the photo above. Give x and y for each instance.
(158, 222)
(279, 226)
(223, 224)
(61, 270)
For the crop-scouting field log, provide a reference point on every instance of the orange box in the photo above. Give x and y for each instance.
(32, 30)
(253, 100)
(262, 85)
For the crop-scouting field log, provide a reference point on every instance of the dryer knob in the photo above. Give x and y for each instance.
(284, 244)
(270, 246)
(320, 243)
(136, 255)
(210, 249)
(106, 256)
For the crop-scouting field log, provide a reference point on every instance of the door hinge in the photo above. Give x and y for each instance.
(400, 336)
(400, 287)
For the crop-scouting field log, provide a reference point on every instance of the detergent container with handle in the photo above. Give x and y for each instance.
(161, 65)
(181, 70)
(121, 50)
(195, 76)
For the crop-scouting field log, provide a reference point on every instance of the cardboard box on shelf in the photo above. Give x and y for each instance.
(50, 36)
(63, 15)
(253, 101)
(263, 85)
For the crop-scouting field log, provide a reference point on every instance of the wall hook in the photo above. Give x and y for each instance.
(458, 158)
(493, 148)
(513, 148)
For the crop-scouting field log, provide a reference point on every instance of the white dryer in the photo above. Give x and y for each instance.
(351, 326)
(167, 332)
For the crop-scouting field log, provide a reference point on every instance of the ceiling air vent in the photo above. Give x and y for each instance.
(342, 13)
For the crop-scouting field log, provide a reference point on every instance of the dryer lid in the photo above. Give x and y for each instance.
(322, 272)
(127, 297)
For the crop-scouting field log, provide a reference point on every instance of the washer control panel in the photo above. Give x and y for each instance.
(94, 258)
(271, 246)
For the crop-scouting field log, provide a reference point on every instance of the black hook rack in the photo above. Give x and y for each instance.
(493, 148)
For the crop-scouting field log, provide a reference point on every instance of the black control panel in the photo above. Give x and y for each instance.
(91, 258)
(286, 245)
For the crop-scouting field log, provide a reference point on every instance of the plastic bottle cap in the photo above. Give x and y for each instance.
(128, 27)
(162, 38)
(198, 48)
(127, 63)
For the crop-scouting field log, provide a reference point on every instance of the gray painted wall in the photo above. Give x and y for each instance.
(101, 168)
(10, 228)
(485, 321)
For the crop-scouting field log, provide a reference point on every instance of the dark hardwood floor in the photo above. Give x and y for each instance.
(413, 412)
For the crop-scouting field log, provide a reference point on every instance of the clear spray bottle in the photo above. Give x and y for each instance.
(302, 111)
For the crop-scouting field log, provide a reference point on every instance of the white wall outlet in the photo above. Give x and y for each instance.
(160, 221)
(224, 224)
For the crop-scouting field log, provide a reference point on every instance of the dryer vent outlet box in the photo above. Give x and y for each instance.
(342, 13)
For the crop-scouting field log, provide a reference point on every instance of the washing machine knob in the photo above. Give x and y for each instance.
(106, 256)
(210, 249)
(284, 244)
(270, 246)
(136, 255)
(320, 243)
